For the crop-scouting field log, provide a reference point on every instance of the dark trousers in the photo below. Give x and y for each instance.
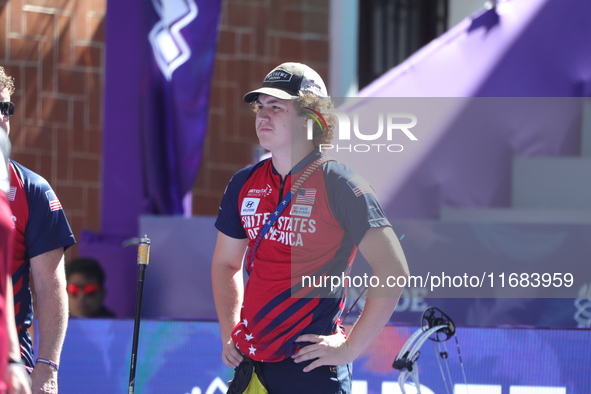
(287, 377)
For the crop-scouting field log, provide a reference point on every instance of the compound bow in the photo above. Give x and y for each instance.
(438, 327)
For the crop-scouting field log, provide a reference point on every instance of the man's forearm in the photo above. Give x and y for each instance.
(53, 322)
(383, 252)
(376, 313)
(228, 291)
(51, 302)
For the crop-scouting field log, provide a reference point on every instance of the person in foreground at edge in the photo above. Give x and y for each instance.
(14, 379)
(285, 328)
(42, 234)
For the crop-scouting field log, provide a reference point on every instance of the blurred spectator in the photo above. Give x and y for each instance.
(86, 291)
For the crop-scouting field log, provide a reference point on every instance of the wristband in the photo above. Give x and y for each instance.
(49, 362)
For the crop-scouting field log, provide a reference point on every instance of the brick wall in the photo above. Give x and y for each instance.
(54, 49)
(254, 37)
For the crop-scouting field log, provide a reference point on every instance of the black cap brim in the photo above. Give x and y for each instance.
(278, 93)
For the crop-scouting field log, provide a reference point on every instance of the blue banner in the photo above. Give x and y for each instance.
(185, 358)
(175, 98)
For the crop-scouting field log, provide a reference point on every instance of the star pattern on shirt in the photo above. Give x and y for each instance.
(236, 333)
(248, 337)
(245, 322)
(251, 350)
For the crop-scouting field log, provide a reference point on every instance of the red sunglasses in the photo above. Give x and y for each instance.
(90, 289)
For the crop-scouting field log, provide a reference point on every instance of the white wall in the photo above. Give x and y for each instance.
(460, 9)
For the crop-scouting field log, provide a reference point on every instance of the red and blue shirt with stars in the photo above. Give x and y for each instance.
(289, 291)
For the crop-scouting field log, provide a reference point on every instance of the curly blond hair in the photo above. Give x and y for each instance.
(6, 81)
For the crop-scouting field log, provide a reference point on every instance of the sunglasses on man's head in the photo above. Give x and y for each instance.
(90, 289)
(6, 108)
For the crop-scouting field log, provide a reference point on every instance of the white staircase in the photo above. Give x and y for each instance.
(544, 189)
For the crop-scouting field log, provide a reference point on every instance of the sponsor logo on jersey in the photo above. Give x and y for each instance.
(54, 203)
(260, 192)
(249, 206)
(301, 210)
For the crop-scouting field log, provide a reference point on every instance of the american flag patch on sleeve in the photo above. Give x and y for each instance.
(11, 193)
(359, 186)
(54, 203)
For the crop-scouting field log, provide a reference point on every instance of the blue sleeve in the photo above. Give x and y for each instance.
(228, 221)
(353, 201)
(47, 227)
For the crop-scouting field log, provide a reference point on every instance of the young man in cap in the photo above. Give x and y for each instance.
(298, 214)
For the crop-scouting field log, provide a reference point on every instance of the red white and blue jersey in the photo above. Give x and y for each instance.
(316, 235)
(41, 226)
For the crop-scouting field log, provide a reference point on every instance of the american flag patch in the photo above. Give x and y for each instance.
(54, 203)
(11, 193)
(306, 196)
(359, 186)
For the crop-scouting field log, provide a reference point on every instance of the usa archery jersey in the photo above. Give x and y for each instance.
(316, 236)
(41, 226)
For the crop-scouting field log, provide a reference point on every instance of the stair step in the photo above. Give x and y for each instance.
(515, 215)
(551, 182)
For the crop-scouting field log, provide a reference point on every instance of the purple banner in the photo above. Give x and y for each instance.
(158, 69)
(175, 98)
